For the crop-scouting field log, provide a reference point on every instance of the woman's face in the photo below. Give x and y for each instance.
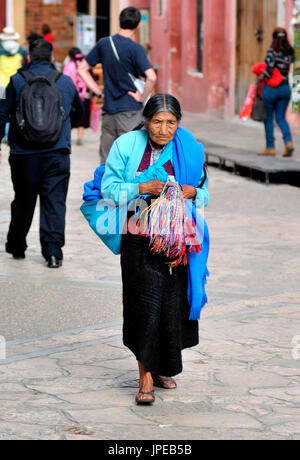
(162, 127)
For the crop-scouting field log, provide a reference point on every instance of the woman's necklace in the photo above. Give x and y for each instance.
(155, 152)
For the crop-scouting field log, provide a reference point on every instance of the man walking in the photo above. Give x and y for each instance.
(120, 56)
(40, 144)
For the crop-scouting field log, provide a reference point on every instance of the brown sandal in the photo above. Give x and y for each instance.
(164, 382)
(140, 400)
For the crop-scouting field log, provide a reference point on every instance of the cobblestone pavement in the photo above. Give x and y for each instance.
(67, 374)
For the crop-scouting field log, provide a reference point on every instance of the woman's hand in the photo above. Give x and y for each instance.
(153, 187)
(189, 192)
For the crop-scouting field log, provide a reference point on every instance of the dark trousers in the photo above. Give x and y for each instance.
(47, 176)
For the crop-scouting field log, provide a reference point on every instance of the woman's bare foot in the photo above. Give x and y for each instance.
(146, 393)
(164, 382)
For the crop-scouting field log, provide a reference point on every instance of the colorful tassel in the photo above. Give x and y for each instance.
(170, 233)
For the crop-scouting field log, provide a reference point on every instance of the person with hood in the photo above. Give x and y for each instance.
(12, 55)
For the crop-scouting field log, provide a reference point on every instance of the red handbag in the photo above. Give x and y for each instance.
(276, 78)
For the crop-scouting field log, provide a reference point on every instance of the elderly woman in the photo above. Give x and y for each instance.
(161, 302)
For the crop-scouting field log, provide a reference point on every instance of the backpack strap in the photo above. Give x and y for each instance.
(53, 76)
(28, 76)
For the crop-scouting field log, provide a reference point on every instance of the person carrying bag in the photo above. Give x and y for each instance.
(276, 97)
(259, 112)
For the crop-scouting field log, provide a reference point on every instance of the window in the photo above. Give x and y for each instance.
(200, 35)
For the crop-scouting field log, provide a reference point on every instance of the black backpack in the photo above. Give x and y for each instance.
(40, 114)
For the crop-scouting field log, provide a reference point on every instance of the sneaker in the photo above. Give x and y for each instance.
(79, 142)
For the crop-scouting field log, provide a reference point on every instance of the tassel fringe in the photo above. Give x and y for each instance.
(169, 231)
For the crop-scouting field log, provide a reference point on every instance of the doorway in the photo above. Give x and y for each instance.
(256, 20)
(82, 7)
(103, 18)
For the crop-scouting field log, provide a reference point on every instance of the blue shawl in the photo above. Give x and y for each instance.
(188, 160)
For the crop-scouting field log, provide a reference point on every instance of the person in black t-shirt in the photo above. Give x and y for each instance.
(280, 56)
(119, 56)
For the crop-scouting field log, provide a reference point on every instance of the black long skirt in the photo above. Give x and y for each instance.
(156, 324)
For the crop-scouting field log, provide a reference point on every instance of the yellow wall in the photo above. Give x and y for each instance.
(19, 19)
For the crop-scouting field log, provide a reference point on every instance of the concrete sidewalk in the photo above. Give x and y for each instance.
(245, 135)
(67, 373)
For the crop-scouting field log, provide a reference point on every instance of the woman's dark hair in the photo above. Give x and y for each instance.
(75, 54)
(160, 103)
(130, 18)
(165, 103)
(281, 42)
(40, 50)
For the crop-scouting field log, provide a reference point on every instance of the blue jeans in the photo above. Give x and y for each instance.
(276, 101)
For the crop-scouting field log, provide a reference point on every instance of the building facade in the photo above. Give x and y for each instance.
(203, 50)
(64, 18)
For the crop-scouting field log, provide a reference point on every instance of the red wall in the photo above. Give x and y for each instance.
(174, 51)
(59, 17)
(2, 14)
(140, 3)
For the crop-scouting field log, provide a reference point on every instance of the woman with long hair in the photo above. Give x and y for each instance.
(163, 291)
(280, 56)
(47, 34)
(70, 69)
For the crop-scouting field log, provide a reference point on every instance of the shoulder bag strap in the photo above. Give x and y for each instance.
(132, 78)
(114, 49)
